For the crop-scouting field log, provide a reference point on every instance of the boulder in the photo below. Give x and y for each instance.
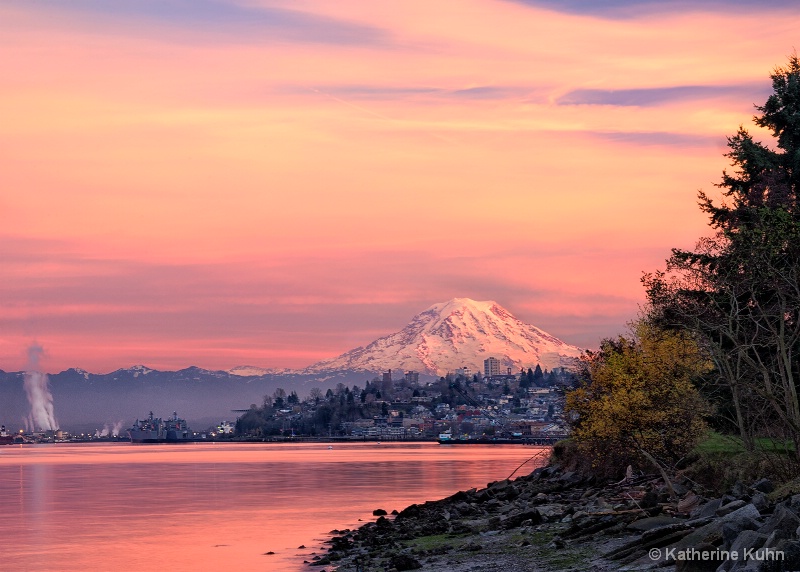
(783, 521)
(748, 539)
(739, 490)
(760, 501)
(764, 486)
(402, 562)
(786, 556)
(732, 530)
(652, 522)
(551, 511)
(730, 507)
(740, 517)
(708, 509)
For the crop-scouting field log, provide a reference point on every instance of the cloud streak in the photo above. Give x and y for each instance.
(210, 19)
(622, 9)
(647, 97)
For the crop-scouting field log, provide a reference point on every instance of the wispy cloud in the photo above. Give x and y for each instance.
(287, 303)
(389, 92)
(620, 9)
(209, 18)
(661, 138)
(646, 97)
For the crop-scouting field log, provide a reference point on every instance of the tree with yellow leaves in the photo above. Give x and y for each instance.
(638, 401)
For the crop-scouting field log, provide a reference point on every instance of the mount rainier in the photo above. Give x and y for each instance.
(455, 334)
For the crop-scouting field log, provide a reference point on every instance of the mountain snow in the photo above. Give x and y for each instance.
(137, 370)
(456, 334)
(249, 371)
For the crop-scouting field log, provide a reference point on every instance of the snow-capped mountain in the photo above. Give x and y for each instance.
(455, 334)
(250, 371)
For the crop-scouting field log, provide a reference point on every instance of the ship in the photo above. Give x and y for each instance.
(158, 430)
(6, 438)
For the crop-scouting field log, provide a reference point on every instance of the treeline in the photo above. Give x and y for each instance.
(719, 341)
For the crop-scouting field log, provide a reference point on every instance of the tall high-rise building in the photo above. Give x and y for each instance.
(491, 367)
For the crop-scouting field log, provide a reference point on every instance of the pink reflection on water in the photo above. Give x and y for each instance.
(215, 506)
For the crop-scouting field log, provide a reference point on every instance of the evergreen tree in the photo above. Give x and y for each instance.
(738, 292)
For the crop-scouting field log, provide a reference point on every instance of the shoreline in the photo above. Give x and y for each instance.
(553, 521)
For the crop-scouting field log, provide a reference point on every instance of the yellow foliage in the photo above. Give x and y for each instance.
(640, 397)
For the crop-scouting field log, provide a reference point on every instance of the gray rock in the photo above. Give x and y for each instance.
(463, 508)
(760, 501)
(739, 490)
(402, 562)
(732, 530)
(708, 509)
(730, 507)
(740, 517)
(785, 555)
(654, 522)
(551, 511)
(748, 539)
(679, 489)
(783, 520)
(570, 478)
(764, 486)
(517, 519)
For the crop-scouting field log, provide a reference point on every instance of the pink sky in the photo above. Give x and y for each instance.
(216, 183)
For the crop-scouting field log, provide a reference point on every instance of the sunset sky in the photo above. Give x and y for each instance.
(218, 183)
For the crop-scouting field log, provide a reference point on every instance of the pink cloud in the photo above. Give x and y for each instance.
(215, 200)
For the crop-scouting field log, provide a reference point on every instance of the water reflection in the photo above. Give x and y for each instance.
(207, 506)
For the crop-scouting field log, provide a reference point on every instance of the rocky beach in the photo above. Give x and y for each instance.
(558, 520)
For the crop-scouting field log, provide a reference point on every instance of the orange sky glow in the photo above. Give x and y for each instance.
(219, 182)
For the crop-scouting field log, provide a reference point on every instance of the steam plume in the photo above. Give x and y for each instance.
(109, 430)
(39, 396)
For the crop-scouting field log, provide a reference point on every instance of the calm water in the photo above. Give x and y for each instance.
(206, 506)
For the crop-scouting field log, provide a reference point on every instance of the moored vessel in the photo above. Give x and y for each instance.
(6, 438)
(158, 430)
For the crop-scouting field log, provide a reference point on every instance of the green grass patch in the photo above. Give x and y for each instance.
(719, 444)
(719, 461)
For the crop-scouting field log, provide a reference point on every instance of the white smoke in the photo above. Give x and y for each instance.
(39, 396)
(109, 430)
